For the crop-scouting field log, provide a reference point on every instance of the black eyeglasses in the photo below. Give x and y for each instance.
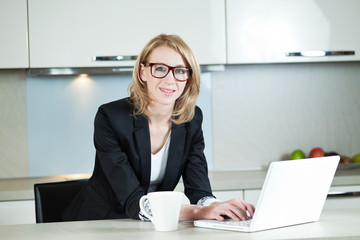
(161, 70)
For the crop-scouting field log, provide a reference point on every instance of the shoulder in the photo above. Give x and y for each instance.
(197, 120)
(119, 111)
(118, 108)
(198, 116)
(198, 112)
(122, 105)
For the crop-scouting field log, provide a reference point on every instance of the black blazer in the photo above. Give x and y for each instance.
(123, 160)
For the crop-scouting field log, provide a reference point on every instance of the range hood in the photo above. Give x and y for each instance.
(76, 71)
(38, 72)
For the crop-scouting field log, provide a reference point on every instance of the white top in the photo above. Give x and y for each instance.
(158, 165)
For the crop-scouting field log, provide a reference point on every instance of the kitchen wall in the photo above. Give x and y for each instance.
(261, 113)
(13, 126)
(254, 114)
(61, 113)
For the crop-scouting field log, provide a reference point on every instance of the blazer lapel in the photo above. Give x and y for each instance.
(142, 139)
(176, 151)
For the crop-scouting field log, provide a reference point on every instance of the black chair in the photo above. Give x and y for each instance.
(51, 199)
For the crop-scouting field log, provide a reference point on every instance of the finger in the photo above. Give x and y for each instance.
(233, 209)
(232, 215)
(220, 218)
(249, 207)
(240, 204)
(237, 214)
(252, 210)
(242, 215)
(246, 208)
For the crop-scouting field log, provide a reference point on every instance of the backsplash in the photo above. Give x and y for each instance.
(263, 112)
(253, 114)
(61, 112)
(13, 125)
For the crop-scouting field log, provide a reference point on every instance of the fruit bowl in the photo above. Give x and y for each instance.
(348, 166)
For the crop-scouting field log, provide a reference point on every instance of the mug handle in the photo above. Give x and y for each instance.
(142, 207)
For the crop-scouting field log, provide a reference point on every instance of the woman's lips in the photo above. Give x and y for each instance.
(167, 91)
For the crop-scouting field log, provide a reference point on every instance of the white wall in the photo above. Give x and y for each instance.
(253, 114)
(13, 130)
(263, 112)
(61, 111)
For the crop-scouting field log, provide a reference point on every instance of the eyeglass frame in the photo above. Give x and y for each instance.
(169, 69)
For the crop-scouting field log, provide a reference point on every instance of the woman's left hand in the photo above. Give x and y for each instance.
(235, 209)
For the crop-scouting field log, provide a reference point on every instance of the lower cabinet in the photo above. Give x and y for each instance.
(23, 212)
(343, 197)
(220, 195)
(339, 197)
(252, 196)
(227, 195)
(17, 212)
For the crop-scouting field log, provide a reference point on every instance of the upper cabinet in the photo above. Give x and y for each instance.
(13, 32)
(96, 33)
(262, 31)
(66, 33)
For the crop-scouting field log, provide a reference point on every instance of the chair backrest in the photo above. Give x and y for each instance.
(52, 198)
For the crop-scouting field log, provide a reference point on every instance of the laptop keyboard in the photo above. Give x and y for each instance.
(234, 223)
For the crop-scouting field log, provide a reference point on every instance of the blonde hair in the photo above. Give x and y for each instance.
(184, 108)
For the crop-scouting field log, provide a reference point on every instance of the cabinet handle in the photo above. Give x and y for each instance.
(114, 58)
(319, 53)
(343, 194)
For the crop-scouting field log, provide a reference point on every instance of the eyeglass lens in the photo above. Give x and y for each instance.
(161, 70)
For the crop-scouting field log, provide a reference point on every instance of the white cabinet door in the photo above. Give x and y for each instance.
(336, 198)
(66, 33)
(343, 197)
(13, 32)
(252, 196)
(261, 31)
(17, 212)
(228, 195)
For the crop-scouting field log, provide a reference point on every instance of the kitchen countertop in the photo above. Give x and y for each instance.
(333, 224)
(22, 188)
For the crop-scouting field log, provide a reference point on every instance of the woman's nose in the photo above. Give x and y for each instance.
(170, 76)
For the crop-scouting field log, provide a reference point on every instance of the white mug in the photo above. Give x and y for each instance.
(165, 208)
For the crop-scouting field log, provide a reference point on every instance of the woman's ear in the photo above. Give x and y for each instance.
(142, 72)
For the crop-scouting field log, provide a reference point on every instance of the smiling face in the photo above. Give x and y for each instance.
(163, 91)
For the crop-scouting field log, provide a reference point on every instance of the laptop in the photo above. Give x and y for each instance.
(294, 192)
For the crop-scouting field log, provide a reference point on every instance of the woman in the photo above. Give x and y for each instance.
(148, 141)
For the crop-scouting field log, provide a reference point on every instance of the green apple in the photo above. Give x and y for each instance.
(356, 158)
(297, 154)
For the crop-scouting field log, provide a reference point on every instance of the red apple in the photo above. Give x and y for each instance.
(316, 152)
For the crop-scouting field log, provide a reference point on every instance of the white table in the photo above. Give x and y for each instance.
(334, 224)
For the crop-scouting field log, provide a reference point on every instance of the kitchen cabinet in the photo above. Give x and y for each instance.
(13, 32)
(343, 197)
(261, 31)
(228, 195)
(339, 197)
(252, 196)
(220, 195)
(65, 33)
(17, 212)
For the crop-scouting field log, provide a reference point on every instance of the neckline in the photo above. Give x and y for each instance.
(164, 146)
